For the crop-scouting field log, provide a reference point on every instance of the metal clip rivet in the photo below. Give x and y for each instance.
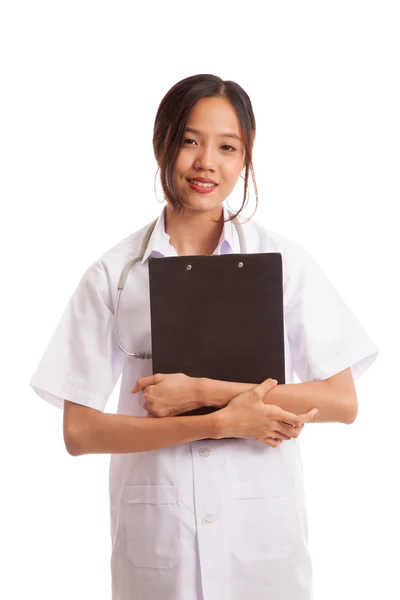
(188, 267)
(240, 265)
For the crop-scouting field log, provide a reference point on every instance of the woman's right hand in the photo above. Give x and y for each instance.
(246, 416)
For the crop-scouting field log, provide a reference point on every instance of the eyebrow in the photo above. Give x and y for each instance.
(230, 135)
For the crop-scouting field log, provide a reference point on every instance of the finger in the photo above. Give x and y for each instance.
(142, 382)
(137, 387)
(264, 387)
(292, 419)
(271, 442)
(286, 417)
(308, 416)
(286, 428)
(289, 430)
(280, 435)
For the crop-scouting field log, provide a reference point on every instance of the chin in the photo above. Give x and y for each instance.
(203, 204)
(202, 201)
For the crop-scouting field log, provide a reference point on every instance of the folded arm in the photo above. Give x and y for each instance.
(335, 397)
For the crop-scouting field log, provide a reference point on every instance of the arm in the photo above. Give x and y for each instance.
(335, 397)
(90, 431)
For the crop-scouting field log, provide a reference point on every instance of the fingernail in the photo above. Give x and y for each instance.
(314, 412)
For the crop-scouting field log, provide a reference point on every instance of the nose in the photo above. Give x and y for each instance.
(205, 158)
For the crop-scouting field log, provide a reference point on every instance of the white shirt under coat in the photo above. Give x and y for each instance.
(206, 520)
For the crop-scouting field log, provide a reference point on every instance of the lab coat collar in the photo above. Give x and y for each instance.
(159, 243)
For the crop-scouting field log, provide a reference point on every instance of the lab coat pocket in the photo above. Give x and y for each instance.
(152, 523)
(264, 519)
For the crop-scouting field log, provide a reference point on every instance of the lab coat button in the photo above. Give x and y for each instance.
(208, 520)
(204, 451)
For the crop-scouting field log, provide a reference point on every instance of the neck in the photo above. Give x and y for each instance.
(194, 232)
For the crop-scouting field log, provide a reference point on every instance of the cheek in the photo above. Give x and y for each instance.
(182, 163)
(233, 171)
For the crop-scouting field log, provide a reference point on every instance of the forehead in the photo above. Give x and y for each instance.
(214, 114)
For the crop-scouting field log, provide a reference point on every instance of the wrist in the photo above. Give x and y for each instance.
(200, 391)
(220, 424)
(213, 392)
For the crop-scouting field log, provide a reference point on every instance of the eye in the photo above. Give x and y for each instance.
(189, 140)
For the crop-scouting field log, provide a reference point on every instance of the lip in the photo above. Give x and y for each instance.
(202, 190)
(202, 180)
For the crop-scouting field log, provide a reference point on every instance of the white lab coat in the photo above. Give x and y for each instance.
(215, 519)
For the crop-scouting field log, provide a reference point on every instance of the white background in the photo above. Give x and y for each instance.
(81, 84)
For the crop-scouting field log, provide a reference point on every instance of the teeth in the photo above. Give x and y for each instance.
(201, 184)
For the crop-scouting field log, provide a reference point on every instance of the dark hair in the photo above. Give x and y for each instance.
(173, 114)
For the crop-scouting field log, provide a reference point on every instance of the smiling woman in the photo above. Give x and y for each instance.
(205, 506)
(203, 140)
(219, 118)
(208, 152)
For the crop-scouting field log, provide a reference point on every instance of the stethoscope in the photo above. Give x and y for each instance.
(129, 265)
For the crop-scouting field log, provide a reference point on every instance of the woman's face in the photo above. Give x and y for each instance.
(212, 149)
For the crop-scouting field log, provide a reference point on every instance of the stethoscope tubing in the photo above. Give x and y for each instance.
(125, 272)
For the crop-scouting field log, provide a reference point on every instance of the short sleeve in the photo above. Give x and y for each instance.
(82, 362)
(325, 336)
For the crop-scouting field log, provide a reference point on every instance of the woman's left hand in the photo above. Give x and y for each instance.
(167, 395)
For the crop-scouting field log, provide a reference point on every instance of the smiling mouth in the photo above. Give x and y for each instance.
(202, 184)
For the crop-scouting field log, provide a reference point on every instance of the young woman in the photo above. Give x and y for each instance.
(195, 514)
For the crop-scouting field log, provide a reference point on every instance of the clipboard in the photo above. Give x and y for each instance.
(219, 317)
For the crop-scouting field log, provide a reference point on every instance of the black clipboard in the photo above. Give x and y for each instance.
(219, 317)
